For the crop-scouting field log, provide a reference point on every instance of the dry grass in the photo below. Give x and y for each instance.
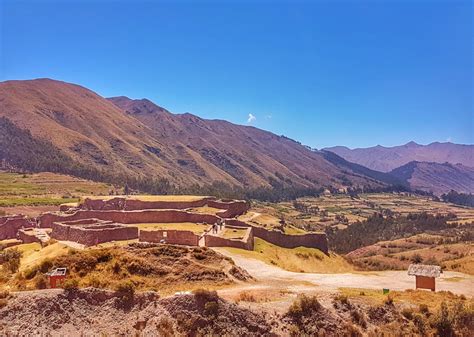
(149, 197)
(188, 226)
(409, 297)
(232, 233)
(300, 259)
(33, 254)
(163, 268)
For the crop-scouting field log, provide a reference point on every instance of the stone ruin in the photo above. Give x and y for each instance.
(96, 221)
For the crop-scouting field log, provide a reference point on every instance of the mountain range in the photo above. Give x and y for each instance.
(385, 159)
(52, 125)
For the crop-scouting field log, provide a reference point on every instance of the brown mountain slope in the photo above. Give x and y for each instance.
(136, 137)
(239, 154)
(437, 178)
(82, 124)
(385, 159)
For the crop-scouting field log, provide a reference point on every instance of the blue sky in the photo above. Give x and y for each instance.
(355, 73)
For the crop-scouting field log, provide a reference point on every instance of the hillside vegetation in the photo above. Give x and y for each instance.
(163, 268)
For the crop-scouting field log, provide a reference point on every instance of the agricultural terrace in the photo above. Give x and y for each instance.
(33, 194)
(313, 214)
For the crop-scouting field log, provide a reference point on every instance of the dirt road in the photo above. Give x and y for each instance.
(457, 283)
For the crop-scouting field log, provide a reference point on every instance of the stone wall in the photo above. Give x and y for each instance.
(129, 217)
(90, 234)
(175, 237)
(9, 225)
(27, 236)
(245, 243)
(311, 240)
(231, 208)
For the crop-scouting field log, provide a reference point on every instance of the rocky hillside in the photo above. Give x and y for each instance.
(436, 178)
(81, 133)
(385, 159)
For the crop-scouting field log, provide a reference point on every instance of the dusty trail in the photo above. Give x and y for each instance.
(455, 282)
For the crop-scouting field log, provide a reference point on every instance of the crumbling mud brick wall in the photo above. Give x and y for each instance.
(175, 237)
(90, 234)
(311, 240)
(9, 225)
(130, 217)
(245, 243)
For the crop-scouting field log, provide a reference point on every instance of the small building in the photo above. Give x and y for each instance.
(425, 275)
(57, 277)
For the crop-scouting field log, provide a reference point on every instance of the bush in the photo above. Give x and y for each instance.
(303, 306)
(203, 296)
(443, 323)
(11, 259)
(30, 273)
(211, 308)
(45, 266)
(246, 297)
(40, 281)
(342, 298)
(3, 302)
(388, 300)
(407, 313)
(419, 322)
(71, 284)
(423, 308)
(125, 290)
(416, 258)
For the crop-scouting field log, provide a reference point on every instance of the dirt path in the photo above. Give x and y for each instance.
(455, 282)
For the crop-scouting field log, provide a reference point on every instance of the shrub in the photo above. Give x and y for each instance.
(246, 297)
(126, 290)
(443, 323)
(407, 313)
(71, 285)
(416, 258)
(30, 273)
(419, 322)
(11, 259)
(388, 300)
(45, 266)
(303, 306)
(211, 308)
(423, 308)
(203, 296)
(3, 302)
(40, 281)
(4, 294)
(342, 298)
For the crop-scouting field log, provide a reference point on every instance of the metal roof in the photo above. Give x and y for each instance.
(424, 270)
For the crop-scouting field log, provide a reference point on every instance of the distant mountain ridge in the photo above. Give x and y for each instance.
(385, 159)
(436, 178)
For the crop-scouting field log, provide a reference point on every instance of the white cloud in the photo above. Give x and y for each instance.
(251, 118)
(268, 116)
(449, 139)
